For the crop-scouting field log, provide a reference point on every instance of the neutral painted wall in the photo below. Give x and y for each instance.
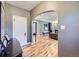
(68, 38)
(9, 12)
(2, 20)
(42, 7)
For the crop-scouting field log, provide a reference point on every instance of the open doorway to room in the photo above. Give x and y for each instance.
(44, 35)
(46, 24)
(34, 31)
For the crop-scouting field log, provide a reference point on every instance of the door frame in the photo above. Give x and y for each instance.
(26, 26)
(0, 19)
(35, 31)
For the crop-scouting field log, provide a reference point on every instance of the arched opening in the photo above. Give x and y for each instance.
(45, 28)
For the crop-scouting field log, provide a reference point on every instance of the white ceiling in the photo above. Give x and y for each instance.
(47, 17)
(28, 5)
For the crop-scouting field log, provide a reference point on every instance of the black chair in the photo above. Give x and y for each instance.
(10, 47)
(3, 43)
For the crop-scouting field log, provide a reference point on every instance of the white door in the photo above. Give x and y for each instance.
(20, 29)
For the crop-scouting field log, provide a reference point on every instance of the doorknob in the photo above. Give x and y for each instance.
(24, 34)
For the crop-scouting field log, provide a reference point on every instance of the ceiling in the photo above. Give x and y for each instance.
(28, 5)
(47, 17)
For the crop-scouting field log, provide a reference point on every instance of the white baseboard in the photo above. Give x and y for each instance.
(29, 43)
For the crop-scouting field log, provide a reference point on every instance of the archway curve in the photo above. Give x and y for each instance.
(43, 13)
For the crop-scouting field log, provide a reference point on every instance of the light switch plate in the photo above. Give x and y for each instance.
(62, 27)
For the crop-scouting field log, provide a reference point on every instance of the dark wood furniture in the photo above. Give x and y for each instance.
(53, 36)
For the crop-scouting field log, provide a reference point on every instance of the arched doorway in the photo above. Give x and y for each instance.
(44, 29)
(48, 21)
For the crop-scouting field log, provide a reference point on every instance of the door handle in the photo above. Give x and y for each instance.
(24, 34)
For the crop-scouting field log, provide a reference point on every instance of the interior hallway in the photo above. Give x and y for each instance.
(44, 47)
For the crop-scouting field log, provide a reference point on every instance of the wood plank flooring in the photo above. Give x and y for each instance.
(44, 47)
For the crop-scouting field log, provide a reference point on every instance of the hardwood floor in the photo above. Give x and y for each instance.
(44, 47)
